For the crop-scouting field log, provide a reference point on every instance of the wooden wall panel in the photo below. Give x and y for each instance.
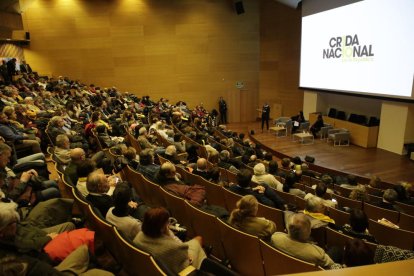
(179, 49)
(280, 56)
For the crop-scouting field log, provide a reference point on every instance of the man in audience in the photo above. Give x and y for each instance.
(202, 169)
(225, 161)
(263, 193)
(147, 167)
(296, 242)
(62, 149)
(388, 200)
(76, 156)
(261, 177)
(320, 191)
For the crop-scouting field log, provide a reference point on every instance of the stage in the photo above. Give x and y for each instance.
(390, 167)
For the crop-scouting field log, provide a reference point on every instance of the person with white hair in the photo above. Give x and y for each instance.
(296, 243)
(262, 177)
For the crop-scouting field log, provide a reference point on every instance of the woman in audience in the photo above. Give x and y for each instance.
(288, 186)
(261, 177)
(358, 226)
(157, 239)
(119, 214)
(357, 253)
(244, 218)
(402, 193)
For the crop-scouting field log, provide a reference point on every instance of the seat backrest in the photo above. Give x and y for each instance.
(273, 214)
(206, 225)
(406, 222)
(231, 177)
(340, 217)
(134, 259)
(177, 208)
(288, 198)
(104, 230)
(346, 202)
(342, 191)
(155, 196)
(80, 203)
(375, 213)
(231, 199)
(335, 238)
(136, 181)
(242, 250)
(162, 159)
(390, 236)
(276, 262)
(408, 209)
(214, 193)
(374, 191)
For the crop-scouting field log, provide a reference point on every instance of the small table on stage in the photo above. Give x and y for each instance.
(302, 137)
(278, 129)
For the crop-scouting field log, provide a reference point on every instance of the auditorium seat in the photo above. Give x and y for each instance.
(337, 239)
(276, 262)
(375, 213)
(409, 209)
(346, 202)
(406, 222)
(340, 217)
(242, 250)
(231, 199)
(391, 236)
(206, 225)
(273, 214)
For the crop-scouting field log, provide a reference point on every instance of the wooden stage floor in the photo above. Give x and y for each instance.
(352, 159)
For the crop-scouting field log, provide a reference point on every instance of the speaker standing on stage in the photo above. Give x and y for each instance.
(223, 111)
(265, 115)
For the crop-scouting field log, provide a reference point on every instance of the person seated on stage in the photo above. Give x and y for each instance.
(244, 218)
(297, 120)
(296, 242)
(315, 210)
(320, 191)
(316, 127)
(261, 177)
(263, 193)
(357, 226)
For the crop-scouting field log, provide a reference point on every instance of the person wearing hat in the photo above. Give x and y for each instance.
(262, 177)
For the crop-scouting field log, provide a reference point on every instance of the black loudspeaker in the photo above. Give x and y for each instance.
(309, 159)
(27, 36)
(238, 5)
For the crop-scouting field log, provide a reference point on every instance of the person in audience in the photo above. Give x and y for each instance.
(352, 182)
(358, 226)
(84, 168)
(288, 186)
(179, 145)
(147, 167)
(374, 182)
(62, 149)
(98, 186)
(357, 253)
(159, 241)
(402, 192)
(328, 181)
(263, 193)
(305, 170)
(57, 126)
(202, 169)
(76, 156)
(224, 162)
(315, 210)
(26, 237)
(317, 125)
(130, 154)
(359, 193)
(171, 154)
(244, 218)
(14, 187)
(274, 168)
(320, 192)
(296, 242)
(261, 177)
(388, 200)
(16, 137)
(119, 214)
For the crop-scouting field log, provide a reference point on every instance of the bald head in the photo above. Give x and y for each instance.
(97, 182)
(299, 227)
(202, 164)
(167, 170)
(77, 154)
